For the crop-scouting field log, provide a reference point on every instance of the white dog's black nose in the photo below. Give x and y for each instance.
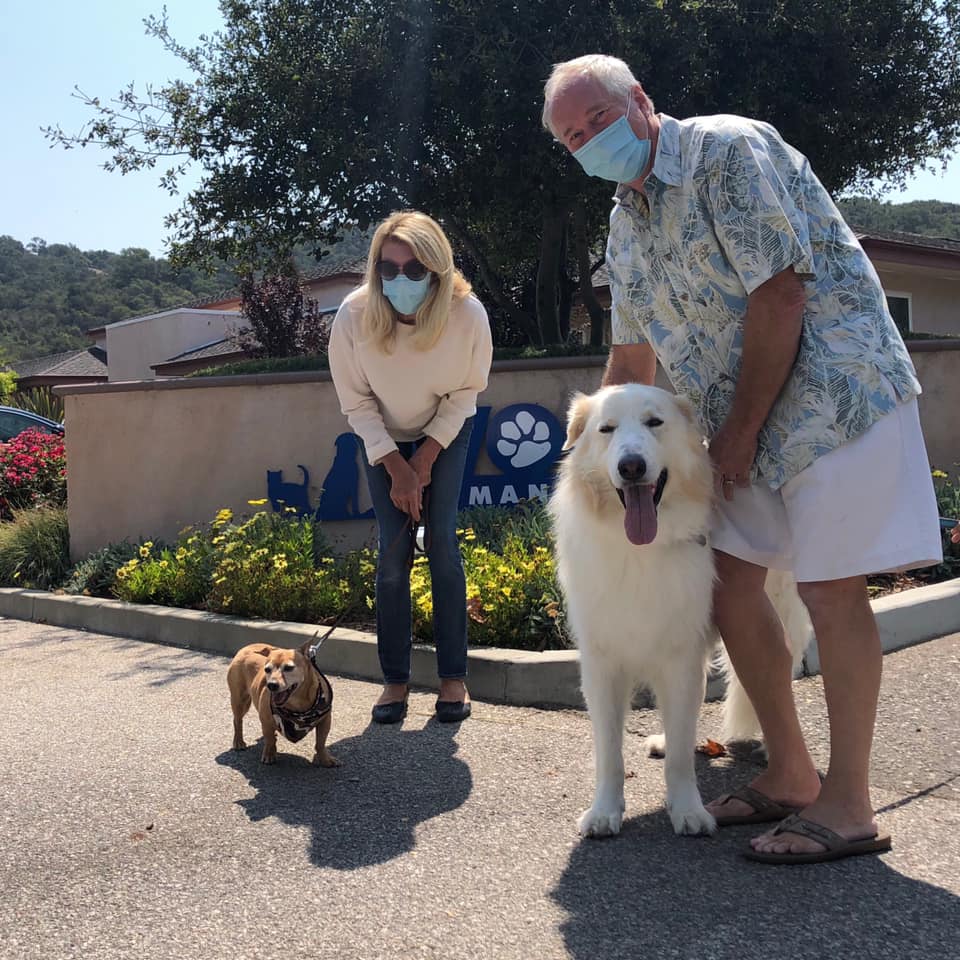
(273, 685)
(632, 468)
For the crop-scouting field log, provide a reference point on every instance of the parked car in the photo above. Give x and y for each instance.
(14, 421)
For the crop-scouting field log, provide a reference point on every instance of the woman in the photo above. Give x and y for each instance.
(409, 352)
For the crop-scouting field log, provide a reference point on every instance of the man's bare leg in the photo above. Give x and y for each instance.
(753, 636)
(851, 661)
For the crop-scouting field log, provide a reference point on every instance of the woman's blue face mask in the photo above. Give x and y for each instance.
(406, 295)
(615, 153)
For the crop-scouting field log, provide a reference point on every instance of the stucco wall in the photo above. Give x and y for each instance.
(147, 459)
(935, 306)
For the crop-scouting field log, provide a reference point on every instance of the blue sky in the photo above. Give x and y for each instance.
(64, 196)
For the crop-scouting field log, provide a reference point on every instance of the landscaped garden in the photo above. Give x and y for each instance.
(281, 567)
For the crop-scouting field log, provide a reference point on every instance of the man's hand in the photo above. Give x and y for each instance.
(424, 458)
(732, 451)
(630, 363)
(406, 490)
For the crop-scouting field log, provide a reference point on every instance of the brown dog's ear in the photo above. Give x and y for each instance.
(577, 414)
(304, 648)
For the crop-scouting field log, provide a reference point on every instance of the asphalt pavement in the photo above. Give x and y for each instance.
(129, 829)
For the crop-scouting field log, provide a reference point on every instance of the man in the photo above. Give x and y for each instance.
(730, 264)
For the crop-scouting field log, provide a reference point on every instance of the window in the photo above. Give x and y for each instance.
(900, 309)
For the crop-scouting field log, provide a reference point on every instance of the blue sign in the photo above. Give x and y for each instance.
(523, 441)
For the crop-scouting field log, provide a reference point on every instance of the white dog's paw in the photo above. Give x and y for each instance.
(525, 440)
(656, 745)
(692, 821)
(600, 821)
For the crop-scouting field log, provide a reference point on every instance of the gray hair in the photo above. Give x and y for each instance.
(612, 74)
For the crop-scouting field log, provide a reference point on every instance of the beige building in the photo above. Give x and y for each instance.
(176, 342)
(920, 276)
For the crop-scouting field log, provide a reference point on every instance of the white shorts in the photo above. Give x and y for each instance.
(866, 507)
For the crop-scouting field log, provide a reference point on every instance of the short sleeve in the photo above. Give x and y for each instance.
(629, 294)
(755, 187)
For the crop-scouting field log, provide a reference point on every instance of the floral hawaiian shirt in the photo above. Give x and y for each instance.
(728, 205)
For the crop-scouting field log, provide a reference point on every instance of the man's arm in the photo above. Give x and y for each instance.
(630, 363)
(771, 336)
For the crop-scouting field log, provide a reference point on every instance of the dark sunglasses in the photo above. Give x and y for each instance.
(412, 270)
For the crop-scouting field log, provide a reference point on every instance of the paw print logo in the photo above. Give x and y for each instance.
(523, 436)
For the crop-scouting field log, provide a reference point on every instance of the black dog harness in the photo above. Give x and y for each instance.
(295, 724)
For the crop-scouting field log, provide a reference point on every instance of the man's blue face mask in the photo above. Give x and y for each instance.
(616, 153)
(406, 295)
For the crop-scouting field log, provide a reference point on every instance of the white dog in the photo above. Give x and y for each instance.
(631, 513)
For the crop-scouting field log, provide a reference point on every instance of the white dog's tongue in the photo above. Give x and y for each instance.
(640, 518)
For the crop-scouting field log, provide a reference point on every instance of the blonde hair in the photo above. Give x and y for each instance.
(430, 246)
(612, 74)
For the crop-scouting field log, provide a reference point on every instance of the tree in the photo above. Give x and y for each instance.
(308, 116)
(282, 321)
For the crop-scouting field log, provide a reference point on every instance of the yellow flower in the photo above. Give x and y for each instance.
(164, 564)
(148, 543)
(939, 475)
(144, 551)
(506, 591)
(257, 503)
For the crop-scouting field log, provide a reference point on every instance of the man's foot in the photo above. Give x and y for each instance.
(790, 792)
(849, 824)
(808, 838)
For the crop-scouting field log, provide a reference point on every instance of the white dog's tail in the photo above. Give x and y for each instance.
(739, 718)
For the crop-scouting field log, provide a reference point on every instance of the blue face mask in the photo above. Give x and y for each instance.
(616, 153)
(406, 295)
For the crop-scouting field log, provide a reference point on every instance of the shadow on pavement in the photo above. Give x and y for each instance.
(649, 893)
(365, 811)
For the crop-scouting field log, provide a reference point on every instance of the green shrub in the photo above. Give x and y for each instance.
(35, 548)
(948, 502)
(280, 567)
(177, 576)
(40, 400)
(513, 599)
(96, 576)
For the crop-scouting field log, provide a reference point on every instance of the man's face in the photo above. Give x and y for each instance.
(584, 108)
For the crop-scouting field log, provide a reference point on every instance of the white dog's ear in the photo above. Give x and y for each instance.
(577, 414)
(687, 409)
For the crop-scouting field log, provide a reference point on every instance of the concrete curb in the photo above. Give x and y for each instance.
(517, 677)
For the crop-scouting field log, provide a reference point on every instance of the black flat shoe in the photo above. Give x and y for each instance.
(389, 712)
(452, 711)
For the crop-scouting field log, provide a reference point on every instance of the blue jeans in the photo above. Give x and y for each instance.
(449, 586)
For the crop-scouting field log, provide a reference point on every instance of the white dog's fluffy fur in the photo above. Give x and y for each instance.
(638, 580)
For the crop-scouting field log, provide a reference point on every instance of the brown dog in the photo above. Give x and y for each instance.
(290, 694)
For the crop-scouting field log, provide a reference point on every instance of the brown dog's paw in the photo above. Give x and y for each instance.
(239, 745)
(325, 759)
(268, 756)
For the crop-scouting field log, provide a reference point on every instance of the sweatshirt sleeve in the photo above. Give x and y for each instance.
(357, 401)
(457, 405)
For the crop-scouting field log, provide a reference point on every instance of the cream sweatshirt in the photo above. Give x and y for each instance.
(409, 393)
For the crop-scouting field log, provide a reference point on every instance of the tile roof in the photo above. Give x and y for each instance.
(948, 244)
(215, 348)
(91, 362)
(327, 268)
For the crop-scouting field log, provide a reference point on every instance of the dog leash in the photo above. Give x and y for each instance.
(408, 529)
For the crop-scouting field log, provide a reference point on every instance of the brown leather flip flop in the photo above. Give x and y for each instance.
(837, 847)
(765, 810)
